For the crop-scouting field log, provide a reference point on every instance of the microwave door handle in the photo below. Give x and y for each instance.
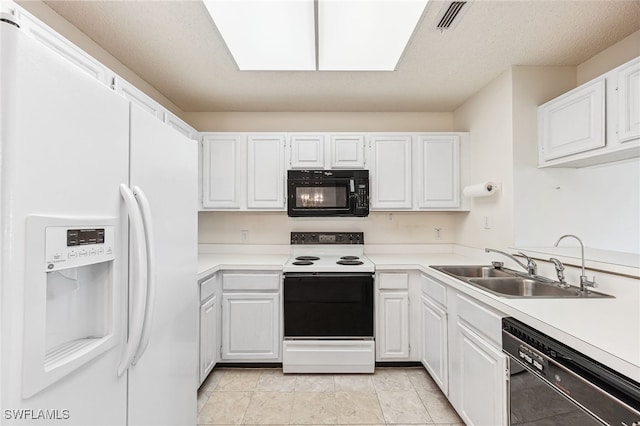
(352, 186)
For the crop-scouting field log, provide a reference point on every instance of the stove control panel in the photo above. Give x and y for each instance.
(298, 238)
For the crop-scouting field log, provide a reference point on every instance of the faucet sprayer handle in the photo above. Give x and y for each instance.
(559, 271)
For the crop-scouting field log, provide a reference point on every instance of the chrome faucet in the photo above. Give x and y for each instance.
(560, 272)
(531, 267)
(584, 281)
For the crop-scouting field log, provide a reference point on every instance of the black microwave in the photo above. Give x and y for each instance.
(321, 193)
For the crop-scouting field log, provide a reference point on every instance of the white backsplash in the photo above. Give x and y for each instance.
(378, 227)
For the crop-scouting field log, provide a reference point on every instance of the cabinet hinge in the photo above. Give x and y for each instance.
(506, 374)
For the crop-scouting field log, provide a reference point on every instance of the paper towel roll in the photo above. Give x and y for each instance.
(480, 190)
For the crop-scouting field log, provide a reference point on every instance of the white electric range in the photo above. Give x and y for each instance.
(328, 304)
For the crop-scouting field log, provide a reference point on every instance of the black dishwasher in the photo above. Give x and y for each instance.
(552, 384)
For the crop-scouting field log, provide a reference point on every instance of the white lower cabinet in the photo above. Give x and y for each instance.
(397, 318)
(251, 329)
(209, 332)
(392, 333)
(208, 336)
(482, 379)
(479, 371)
(434, 342)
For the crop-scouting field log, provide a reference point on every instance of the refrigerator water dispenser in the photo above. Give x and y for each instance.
(70, 296)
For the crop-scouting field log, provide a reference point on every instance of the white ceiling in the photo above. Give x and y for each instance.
(175, 47)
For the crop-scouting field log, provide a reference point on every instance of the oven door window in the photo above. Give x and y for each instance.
(328, 306)
(322, 197)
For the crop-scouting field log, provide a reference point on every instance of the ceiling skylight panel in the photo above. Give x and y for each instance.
(365, 35)
(267, 35)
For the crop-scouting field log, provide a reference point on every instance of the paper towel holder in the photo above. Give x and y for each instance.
(484, 189)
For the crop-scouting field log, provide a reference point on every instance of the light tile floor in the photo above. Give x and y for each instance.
(398, 396)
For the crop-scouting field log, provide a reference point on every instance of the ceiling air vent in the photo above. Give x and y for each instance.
(449, 13)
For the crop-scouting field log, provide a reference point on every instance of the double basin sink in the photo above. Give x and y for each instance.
(507, 283)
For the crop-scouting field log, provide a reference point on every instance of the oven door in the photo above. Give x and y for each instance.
(328, 197)
(328, 305)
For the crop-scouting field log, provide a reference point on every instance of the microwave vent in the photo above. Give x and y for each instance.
(450, 13)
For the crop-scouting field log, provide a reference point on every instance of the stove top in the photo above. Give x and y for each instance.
(328, 252)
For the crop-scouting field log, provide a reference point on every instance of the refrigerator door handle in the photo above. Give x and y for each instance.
(139, 282)
(145, 209)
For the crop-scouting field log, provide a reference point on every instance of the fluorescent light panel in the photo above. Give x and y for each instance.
(267, 35)
(362, 35)
(353, 35)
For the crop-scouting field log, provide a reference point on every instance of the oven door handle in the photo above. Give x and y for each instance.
(327, 274)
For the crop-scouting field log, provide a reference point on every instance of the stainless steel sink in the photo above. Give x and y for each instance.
(507, 283)
(474, 271)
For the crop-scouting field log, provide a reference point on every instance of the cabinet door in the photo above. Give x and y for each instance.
(438, 171)
(392, 329)
(138, 97)
(251, 326)
(629, 102)
(347, 152)
(265, 177)
(208, 336)
(221, 168)
(307, 152)
(391, 172)
(573, 123)
(483, 380)
(434, 343)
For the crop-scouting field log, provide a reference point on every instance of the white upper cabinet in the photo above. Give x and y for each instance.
(221, 170)
(629, 101)
(390, 175)
(347, 151)
(138, 97)
(598, 122)
(306, 151)
(326, 151)
(47, 36)
(438, 171)
(407, 171)
(574, 122)
(176, 123)
(265, 172)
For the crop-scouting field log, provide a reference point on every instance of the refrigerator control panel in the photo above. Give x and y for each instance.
(70, 247)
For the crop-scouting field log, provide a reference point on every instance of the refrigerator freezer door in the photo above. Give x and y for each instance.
(64, 152)
(162, 381)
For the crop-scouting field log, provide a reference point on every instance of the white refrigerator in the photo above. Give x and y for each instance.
(98, 211)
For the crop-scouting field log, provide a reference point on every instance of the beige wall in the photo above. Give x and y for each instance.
(321, 121)
(487, 117)
(379, 227)
(43, 12)
(621, 52)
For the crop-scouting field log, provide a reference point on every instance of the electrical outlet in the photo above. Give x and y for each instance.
(437, 233)
(244, 235)
(487, 222)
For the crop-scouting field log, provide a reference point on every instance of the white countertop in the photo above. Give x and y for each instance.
(607, 330)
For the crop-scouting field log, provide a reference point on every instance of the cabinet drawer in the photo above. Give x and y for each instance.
(393, 281)
(435, 290)
(246, 281)
(481, 318)
(207, 288)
